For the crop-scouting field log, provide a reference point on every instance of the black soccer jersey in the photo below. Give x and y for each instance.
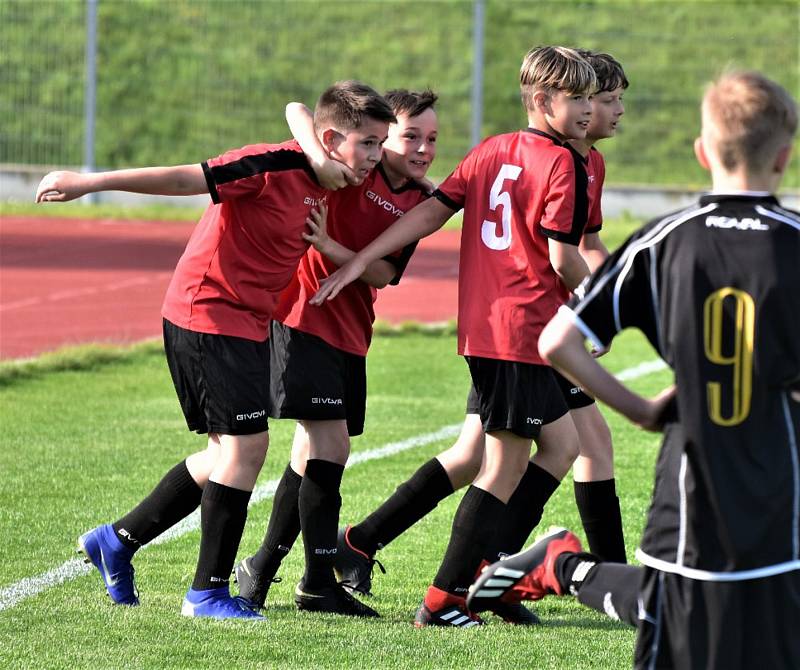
(716, 290)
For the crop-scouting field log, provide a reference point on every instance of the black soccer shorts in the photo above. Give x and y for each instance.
(312, 380)
(710, 625)
(519, 397)
(222, 382)
(573, 395)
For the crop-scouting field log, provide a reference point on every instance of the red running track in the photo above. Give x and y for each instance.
(68, 281)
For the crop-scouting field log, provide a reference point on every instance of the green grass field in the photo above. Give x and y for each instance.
(86, 435)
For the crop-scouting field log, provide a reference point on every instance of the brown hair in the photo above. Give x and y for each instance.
(607, 69)
(557, 68)
(412, 103)
(748, 118)
(346, 105)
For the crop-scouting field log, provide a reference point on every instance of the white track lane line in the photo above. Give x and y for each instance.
(28, 587)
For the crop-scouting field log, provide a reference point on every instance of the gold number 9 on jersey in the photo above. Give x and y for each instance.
(740, 360)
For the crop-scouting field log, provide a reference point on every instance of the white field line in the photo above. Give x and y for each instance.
(28, 587)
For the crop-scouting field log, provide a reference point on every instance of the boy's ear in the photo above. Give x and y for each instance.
(541, 100)
(700, 153)
(330, 139)
(782, 159)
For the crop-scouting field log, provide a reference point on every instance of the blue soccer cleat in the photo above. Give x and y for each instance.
(103, 549)
(218, 604)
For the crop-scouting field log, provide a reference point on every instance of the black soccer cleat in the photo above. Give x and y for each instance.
(253, 586)
(452, 616)
(514, 613)
(332, 600)
(352, 566)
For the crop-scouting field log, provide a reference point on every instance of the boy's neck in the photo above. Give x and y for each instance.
(730, 182)
(538, 122)
(583, 146)
(395, 179)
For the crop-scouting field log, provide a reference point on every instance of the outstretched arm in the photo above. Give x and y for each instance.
(563, 345)
(176, 180)
(424, 219)
(331, 173)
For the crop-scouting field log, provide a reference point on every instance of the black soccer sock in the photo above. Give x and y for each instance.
(408, 504)
(610, 588)
(223, 511)
(473, 527)
(175, 497)
(598, 505)
(319, 506)
(523, 512)
(283, 527)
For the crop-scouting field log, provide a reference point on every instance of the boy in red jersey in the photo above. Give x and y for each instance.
(710, 287)
(241, 255)
(318, 353)
(457, 466)
(524, 212)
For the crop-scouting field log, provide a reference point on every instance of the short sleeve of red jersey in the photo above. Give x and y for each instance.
(618, 295)
(566, 202)
(597, 170)
(243, 173)
(453, 190)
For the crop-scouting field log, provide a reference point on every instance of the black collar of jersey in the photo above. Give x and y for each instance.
(409, 185)
(552, 138)
(710, 198)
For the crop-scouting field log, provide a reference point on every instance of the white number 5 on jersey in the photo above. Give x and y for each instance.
(497, 196)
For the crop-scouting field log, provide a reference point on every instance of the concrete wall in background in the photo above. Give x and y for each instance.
(19, 184)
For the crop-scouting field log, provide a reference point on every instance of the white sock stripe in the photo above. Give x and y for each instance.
(28, 587)
(508, 572)
(490, 593)
(498, 582)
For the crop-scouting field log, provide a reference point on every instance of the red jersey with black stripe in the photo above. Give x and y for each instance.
(356, 216)
(246, 247)
(596, 176)
(518, 190)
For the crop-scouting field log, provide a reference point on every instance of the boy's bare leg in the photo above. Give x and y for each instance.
(557, 446)
(595, 487)
(223, 507)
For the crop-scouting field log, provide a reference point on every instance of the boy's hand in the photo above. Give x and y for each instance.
(317, 223)
(330, 286)
(62, 186)
(661, 410)
(333, 175)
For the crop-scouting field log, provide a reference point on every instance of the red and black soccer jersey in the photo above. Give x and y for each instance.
(716, 290)
(518, 190)
(595, 176)
(356, 216)
(247, 245)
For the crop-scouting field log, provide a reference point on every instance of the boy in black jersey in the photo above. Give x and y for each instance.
(714, 288)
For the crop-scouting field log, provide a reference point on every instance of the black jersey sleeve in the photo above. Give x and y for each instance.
(621, 294)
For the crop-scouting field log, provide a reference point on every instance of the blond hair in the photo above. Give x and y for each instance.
(559, 68)
(748, 119)
(347, 104)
